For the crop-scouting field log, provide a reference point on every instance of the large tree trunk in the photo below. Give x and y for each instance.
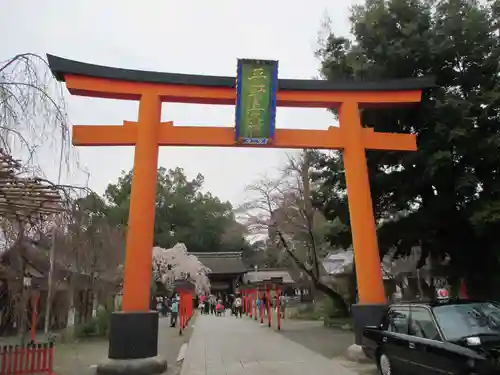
(337, 298)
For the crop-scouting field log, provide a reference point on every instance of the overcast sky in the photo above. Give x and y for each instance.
(181, 36)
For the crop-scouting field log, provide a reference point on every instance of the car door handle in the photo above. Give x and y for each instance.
(411, 345)
(384, 339)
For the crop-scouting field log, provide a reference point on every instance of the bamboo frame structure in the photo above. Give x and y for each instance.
(25, 199)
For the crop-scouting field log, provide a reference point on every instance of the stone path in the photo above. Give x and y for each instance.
(231, 346)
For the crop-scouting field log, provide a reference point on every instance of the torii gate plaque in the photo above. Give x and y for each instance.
(148, 133)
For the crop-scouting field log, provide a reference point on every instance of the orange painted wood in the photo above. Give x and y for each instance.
(170, 135)
(106, 88)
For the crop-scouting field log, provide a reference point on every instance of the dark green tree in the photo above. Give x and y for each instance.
(446, 195)
(183, 213)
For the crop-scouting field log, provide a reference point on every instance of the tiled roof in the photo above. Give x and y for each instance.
(338, 263)
(222, 262)
(256, 276)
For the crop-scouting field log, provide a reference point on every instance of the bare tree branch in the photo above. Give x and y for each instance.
(281, 208)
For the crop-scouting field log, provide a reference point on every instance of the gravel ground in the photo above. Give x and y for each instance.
(329, 342)
(80, 358)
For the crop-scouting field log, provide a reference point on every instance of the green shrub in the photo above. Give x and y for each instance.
(331, 309)
(98, 326)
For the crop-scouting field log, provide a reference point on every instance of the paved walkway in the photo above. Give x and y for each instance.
(231, 346)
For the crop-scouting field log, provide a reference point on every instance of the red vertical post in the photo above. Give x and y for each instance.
(249, 302)
(243, 301)
(185, 309)
(39, 357)
(278, 307)
(268, 306)
(43, 357)
(33, 359)
(254, 300)
(15, 361)
(261, 307)
(26, 365)
(463, 290)
(34, 313)
(3, 369)
(246, 302)
(180, 312)
(51, 358)
(22, 354)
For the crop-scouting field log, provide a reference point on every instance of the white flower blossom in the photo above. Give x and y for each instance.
(177, 263)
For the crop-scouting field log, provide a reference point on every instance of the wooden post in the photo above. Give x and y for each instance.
(34, 314)
(179, 314)
(254, 300)
(364, 234)
(249, 302)
(268, 306)
(140, 230)
(261, 308)
(278, 307)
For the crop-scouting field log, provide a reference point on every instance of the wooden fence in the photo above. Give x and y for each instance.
(28, 359)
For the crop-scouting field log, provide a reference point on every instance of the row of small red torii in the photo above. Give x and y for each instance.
(250, 293)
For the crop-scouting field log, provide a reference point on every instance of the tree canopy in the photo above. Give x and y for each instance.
(444, 198)
(184, 213)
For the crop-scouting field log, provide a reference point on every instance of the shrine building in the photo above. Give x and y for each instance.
(226, 270)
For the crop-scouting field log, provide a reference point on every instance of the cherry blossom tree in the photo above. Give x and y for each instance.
(177, 263)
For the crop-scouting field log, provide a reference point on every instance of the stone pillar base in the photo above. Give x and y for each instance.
(355, 353)
(366, 315)
(143, 366)
(133, 345)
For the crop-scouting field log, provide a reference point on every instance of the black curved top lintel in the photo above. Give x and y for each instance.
(61, 67)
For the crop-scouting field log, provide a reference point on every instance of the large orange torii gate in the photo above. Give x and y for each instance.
(148, 133)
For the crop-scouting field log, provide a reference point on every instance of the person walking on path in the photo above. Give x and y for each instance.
(237, 306)
(174, 311)
(206, 306)
(213, 303)
(219, 308)
(202, 303)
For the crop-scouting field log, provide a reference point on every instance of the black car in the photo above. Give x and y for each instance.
(450, 337)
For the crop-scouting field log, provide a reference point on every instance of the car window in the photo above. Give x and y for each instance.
(397, 320)
(468, 319)
(422, 324)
